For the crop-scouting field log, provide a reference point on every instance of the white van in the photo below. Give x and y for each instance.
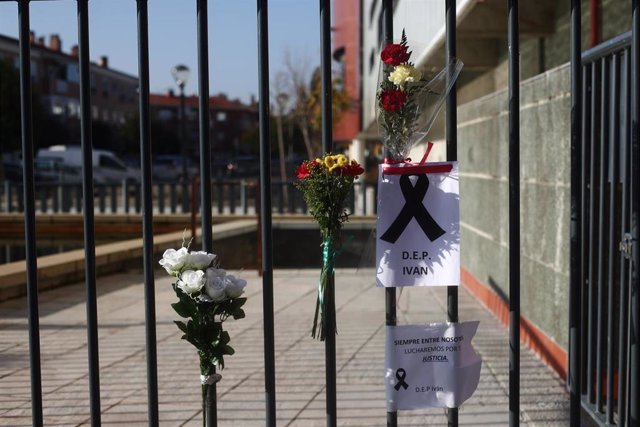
(107, 167)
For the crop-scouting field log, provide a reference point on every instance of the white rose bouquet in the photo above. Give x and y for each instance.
(207, 296)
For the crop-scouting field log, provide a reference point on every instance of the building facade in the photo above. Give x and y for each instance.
(56, 78)
(232, 122)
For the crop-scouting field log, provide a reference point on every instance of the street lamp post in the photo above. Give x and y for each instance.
(180, 74)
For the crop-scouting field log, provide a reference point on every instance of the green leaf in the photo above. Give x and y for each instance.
(238, 314)
(193, 341)
(180, 308)
(228, 350)
(181, 326)
(224, 337)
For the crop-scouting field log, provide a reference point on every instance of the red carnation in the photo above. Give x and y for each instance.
(353, 169)
(303, 170)
(393, 99)
(394, 54)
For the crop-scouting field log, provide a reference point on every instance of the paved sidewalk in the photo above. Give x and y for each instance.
(299, 359)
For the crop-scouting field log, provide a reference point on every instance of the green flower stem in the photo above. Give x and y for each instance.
(329, 254)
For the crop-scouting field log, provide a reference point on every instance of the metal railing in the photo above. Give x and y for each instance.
(608, 275)
(602, 213)
(229, 197)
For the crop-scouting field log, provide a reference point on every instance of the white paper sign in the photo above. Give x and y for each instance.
(431, 366)
(418, 228)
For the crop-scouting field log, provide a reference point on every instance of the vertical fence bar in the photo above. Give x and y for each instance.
(327, 146)
(514, 214)
(173, 198)
(614, 224)
(220, 194)
(594, 167)
(634, 327)
(147, 213)
(7, 195)
(43, 199)
(575, 297)
(204, 122)
(452, 155)
(604, 160)
(265, 213)
(113, 194)
(29, 214)
(160, 197)
(624, 227)
(88, 215)
(389, 293)
(78, 199)
(205, 165)
(584, 207)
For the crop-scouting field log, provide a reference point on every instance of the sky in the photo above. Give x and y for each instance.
(233, 63)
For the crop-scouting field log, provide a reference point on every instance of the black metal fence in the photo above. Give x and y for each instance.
(608, 370)
(229, 197)
(604, 365)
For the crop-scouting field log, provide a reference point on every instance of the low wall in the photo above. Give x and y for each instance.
(235, 244)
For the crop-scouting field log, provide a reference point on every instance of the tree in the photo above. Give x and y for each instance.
(9, 108)
(305, 96)
(163, 139)
(46, 129)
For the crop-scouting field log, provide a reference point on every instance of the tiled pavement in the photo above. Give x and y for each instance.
(299, 359)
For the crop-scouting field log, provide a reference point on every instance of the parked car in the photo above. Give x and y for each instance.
(107, 166)
(52, 169)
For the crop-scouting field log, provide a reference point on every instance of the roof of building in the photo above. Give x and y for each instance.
(38, 45)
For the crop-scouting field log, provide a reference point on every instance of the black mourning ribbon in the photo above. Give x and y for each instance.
(413, 208)
(401, 374)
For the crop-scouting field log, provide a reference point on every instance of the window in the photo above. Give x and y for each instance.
(105, 88)
(372, 59)
(221, 116)
(72, 73)
(380, 28)
(372, 11)
(165, 114)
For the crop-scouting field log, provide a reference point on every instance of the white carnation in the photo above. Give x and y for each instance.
(403, 74)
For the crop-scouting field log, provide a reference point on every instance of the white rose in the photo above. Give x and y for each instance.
(234, 286)
(215, 284)
(191, 281)
(173, 261)
(403, 74)
(199, 260)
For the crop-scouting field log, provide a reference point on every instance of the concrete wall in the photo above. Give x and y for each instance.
(544, 186)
